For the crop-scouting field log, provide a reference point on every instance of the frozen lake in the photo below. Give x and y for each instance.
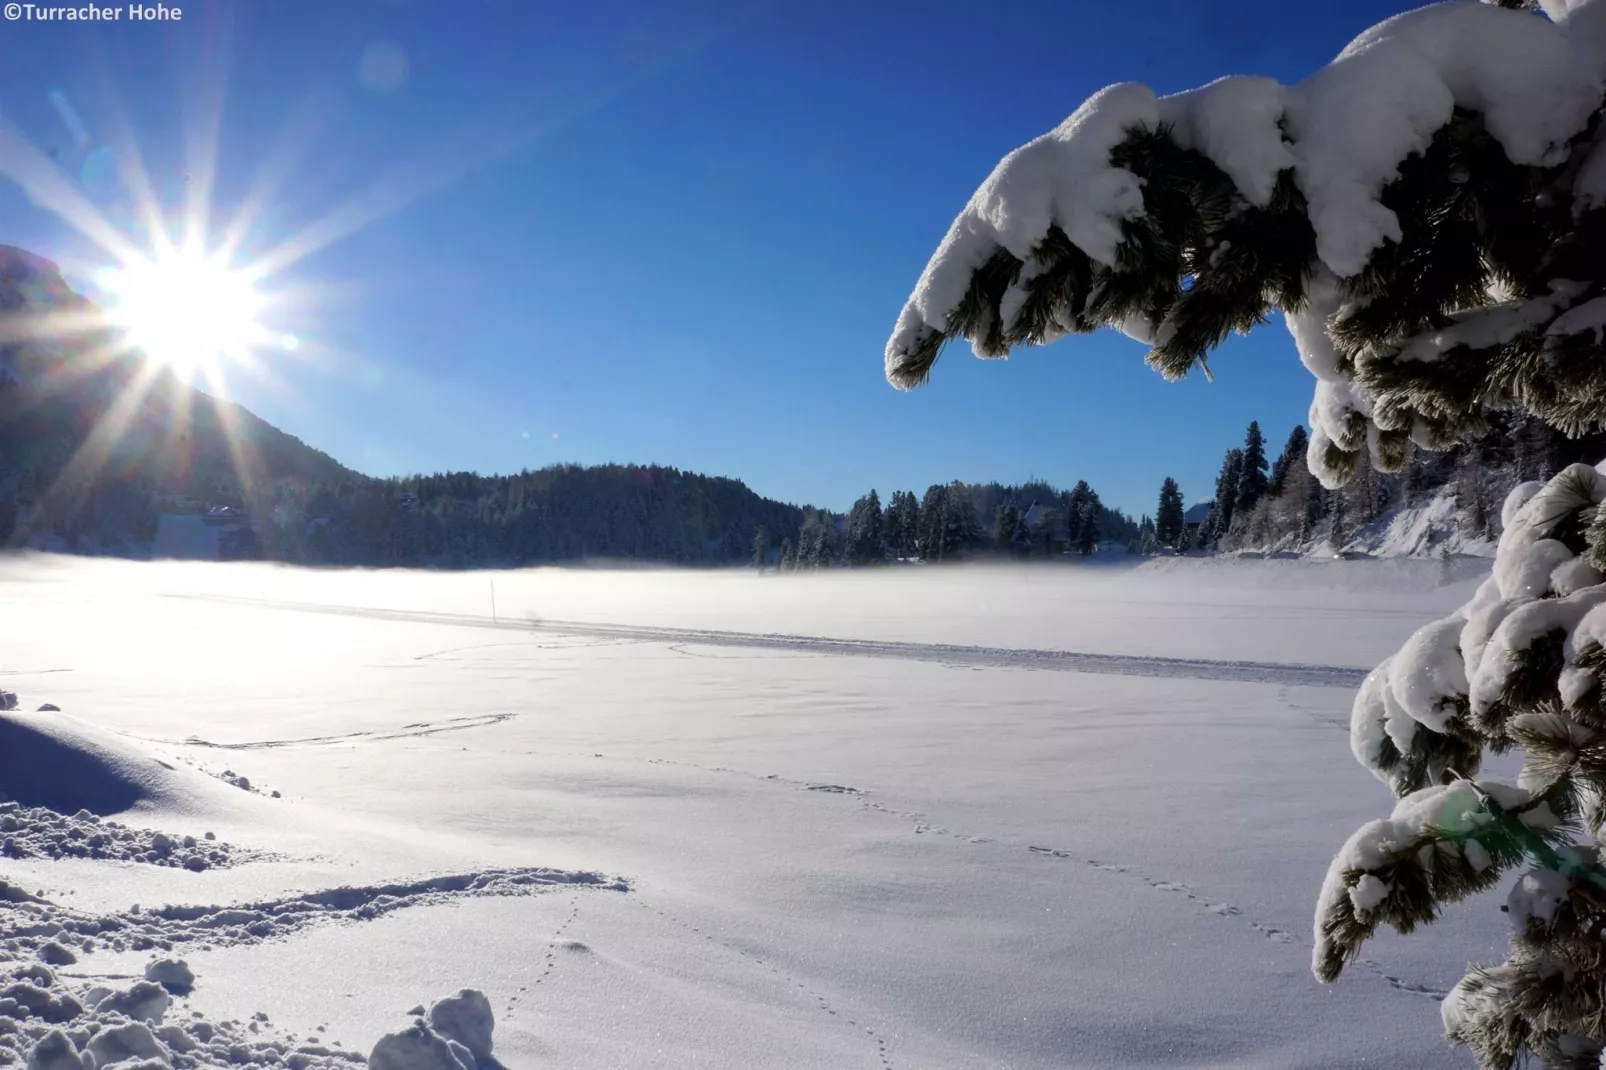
(992, 816)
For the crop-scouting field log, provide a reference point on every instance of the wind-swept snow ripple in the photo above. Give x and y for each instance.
(1259, 672)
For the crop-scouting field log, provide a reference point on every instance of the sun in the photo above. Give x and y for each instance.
(187, 311)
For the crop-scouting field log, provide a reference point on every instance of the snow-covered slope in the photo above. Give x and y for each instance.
(1429, 527)
(1027, 817)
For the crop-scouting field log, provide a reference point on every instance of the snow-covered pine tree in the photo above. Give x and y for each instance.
(816, 543)
(1428, 213)
(1022, 541)
(761, 549)
(1147, 543)
(1535, 448)
(1168, 515)
(787, 562)
(1087, 523)
(1075, 507)
(1252, 471)
(1292, 458)
(933, 523)
(1226, 498)
(1472, 492)
(903, 525)
(865, 540)
(873, 533)
(1314, 507)
(1005, 521)
(1338, 526)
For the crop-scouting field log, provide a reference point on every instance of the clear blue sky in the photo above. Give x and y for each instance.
(654, 231)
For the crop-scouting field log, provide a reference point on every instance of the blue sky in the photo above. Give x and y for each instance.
(652, 231)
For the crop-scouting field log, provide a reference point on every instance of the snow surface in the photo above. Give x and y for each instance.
(1024, 816)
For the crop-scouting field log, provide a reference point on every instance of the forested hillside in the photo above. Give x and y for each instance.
(1447, 499)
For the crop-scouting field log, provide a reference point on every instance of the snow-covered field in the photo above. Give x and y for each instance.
(990, 817)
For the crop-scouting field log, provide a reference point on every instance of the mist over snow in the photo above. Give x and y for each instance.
(1002, 815)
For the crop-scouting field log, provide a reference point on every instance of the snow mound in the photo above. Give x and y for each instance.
(38, 832)
(465, 1018)
(47, 1025)
(68, 765)
(174, 975)
(419, 1048)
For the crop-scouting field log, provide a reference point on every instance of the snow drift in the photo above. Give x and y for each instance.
(67, 765)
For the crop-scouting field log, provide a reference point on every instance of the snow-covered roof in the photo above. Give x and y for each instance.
(1198, 514)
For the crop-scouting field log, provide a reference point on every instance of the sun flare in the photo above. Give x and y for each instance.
(188, 312)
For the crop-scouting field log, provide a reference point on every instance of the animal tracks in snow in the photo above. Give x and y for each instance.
(419, 728)
(922, 825)
(1340, 723)
(819, 1000)
(555, 944)
(946, 654)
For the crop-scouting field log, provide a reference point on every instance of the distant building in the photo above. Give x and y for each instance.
(1194, 518)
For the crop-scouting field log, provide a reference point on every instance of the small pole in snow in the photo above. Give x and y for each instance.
(493, 599)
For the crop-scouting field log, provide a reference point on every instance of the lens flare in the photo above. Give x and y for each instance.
(188, 312)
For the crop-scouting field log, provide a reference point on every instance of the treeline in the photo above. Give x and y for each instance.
(951, 522)
(562, 513)
(1282, 507)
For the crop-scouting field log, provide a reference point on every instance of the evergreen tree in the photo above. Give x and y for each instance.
(962, 529)
(1252, 470)
(1314, 502)
(1146, 543)
(1005, 521)
(1048, 529)
(813, 543)
(903, 525)
(761, 549)
(787, 562)
(873, 534)
(1290, 459)
(1075, 509)
(1337, 521)
(1021, 538)
(1432, 280)
(1087, 524)
(1471, 492)
(865, 541)
(1537, 449)
(1220, 521)
(933, 523)
(1168, 516)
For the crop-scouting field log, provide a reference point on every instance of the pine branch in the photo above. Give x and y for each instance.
(1402, 871)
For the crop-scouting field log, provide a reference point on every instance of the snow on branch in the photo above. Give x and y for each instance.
(1440, 845)
(1381, 205)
